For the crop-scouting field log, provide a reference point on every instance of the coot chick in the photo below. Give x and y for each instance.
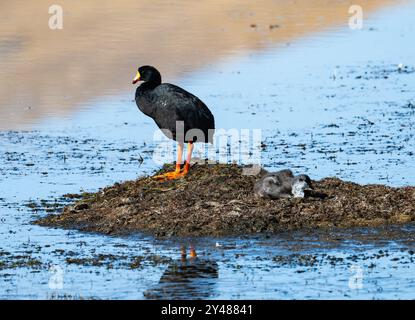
(282, 184)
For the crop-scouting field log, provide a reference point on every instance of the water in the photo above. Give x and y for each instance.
(46, 72)
(325, 108)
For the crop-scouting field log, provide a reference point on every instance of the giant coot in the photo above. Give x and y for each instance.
(180, 115)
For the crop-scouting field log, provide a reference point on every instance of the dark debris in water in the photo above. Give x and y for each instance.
(317, 260)
(10, 261)
(217, 200)
(385, 71)
(111, 261)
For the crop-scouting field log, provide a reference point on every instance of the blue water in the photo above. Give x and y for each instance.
(325, 108)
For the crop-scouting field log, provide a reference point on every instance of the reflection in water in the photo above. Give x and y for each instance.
(46, 72)
(187, 278)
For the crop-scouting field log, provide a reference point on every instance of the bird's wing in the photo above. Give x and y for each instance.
(187, 107)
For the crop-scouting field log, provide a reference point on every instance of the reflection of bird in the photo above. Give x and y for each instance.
(187, 278)
(282, 184)
(179, 114)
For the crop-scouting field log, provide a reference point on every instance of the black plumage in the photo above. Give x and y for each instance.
(172, 107)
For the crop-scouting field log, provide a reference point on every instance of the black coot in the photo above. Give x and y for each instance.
(181, 116)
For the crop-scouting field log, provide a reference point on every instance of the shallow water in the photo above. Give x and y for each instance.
(331, 104)
(48, 72)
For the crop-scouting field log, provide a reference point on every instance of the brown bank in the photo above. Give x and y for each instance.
(217, 200)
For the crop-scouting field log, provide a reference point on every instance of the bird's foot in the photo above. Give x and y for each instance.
(170, 176)
(176, 174)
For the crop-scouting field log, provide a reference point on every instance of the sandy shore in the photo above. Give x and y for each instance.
(45, 72)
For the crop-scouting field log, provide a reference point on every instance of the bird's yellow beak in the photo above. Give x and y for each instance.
(137, 77)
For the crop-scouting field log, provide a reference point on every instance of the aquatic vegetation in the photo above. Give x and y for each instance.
(218, 200)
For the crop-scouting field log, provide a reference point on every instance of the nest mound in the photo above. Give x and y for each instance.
(217, 200)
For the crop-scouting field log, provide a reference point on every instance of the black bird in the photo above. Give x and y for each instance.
(180, 115)
(185, 278)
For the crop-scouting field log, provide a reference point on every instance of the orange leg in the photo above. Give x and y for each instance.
(183, 253)
(177, 174)
(193, 253)
(171, 175)
(188, 158)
